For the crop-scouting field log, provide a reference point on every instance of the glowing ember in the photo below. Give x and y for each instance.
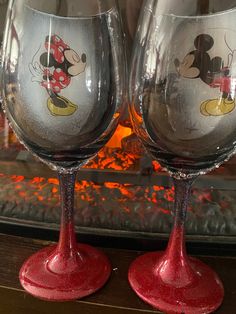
(120, 133)
(116, 206)
(44, 190)
(156, 166)
(116, 159)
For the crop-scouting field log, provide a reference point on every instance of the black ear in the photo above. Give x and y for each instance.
(216, 65)
(48, 39)
(47, 60)
(203, 42)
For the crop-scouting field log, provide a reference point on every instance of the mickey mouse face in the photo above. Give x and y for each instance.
(198, 63)
(186, 68)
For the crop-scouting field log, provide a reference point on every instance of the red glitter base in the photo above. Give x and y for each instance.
(174, 283)
(50, 276)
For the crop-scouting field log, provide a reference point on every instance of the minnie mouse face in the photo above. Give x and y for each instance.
(62, 57)
(197, 63)
(76, 65)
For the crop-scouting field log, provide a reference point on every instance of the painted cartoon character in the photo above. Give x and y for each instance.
(198, 64)
(56, 67)
(224, 105)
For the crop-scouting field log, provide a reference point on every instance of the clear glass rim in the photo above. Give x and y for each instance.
(84, 17)
(203, 16)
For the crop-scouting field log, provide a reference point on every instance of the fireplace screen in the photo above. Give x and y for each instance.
(121, 190)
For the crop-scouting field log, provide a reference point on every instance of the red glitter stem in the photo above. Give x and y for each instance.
(174, 267)
(66, 257)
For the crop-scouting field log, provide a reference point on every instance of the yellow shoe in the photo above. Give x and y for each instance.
(217, 107)
(203, 108)
(61, 106)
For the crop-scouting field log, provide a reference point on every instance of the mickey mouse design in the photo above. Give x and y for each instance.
(198, 64)
(54, 71)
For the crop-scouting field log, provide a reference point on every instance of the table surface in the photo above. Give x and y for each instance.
(115, 298)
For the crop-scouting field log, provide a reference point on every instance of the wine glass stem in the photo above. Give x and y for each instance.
(67, 240)
(182, 192)
(174, 267)
(66, 258)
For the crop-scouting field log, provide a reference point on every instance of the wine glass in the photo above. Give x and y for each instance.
(182, 106)
(63, 89)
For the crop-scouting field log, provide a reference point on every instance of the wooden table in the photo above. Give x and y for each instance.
(115, 298)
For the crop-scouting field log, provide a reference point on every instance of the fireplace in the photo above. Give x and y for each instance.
(122, 191)
(119, 191)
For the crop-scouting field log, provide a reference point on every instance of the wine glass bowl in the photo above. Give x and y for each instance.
(180, 113)
(63, 88)
(79, 105)
(182, 106)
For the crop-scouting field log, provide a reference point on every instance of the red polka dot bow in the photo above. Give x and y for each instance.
(56, 46)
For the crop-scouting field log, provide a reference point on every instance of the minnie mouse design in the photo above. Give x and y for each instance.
(56, 68)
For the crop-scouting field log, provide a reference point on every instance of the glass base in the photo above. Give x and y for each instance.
(202, 294)
(42, 281)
